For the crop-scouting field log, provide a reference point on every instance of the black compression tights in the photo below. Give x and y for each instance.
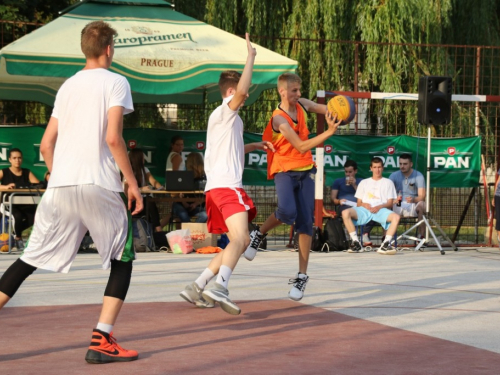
(15, 276)
(119, 279)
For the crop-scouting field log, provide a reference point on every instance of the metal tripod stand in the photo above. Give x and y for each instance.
(425, 217)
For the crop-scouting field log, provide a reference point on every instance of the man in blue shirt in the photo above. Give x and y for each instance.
(344, 188)
(410, 185)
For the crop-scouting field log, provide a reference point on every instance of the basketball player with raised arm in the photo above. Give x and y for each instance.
(228, 206)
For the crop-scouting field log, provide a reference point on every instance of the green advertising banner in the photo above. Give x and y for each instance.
(455, 162)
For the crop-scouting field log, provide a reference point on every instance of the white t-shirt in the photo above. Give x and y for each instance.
(81, 155)
(376, 192)
(225, 152)
(170, 167)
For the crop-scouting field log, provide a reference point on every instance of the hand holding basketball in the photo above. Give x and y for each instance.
(332, 121)
(343, 107)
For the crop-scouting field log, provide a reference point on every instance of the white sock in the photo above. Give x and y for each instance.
(104, 327)
(204, 278)
(224, 275)
(388, 239)
(354, 236)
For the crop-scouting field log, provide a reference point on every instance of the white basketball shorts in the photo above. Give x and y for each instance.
(63, 217)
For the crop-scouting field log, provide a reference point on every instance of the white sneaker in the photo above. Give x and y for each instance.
(299, 285)
(220, 295)
(387, 249)
(192, 294)
(366, 240)
(255, 239)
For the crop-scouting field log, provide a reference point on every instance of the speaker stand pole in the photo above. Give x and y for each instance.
(428, 228)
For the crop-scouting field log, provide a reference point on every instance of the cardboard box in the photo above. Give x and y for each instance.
(200, 235)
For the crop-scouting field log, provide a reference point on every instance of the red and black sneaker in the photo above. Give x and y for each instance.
(104, 349)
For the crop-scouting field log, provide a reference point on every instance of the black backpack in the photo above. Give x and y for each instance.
(317, 243)
(334, 235)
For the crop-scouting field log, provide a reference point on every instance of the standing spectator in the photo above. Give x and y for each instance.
(16, 177)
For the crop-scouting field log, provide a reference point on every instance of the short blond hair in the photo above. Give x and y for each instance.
(96, 37)
(287, 78)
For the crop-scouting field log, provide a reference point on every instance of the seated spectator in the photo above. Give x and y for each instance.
(375, 197)
(174, 158)
(411, 184)
(46, 178)
(146, 181)
(344, 188)
(186, 210)
(17, 177)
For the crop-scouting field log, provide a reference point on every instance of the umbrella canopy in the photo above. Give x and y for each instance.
(166, 56)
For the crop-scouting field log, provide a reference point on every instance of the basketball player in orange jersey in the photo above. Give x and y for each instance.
(293, 170)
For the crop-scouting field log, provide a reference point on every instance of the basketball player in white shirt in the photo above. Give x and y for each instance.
(229, 208)
(82, 147)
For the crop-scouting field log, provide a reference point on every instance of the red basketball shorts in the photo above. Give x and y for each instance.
(222, 203)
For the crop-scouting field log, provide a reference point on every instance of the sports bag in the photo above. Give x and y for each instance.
(334, 235)
(142, 232)
(317, 243)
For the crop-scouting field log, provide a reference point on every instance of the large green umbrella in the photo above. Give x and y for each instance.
(166, 56)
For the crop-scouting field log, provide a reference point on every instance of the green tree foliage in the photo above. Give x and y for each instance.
(32, 14)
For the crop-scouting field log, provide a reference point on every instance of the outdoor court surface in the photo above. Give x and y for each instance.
(413, 313)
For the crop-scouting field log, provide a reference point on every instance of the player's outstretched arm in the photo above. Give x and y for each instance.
(241, 93)
(279, 122)
(262, 145)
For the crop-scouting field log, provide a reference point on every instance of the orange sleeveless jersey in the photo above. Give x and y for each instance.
(286, 157)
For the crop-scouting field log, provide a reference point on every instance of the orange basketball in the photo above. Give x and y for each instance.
(343, 107)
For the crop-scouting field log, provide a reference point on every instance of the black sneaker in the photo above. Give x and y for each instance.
(387, 249)
(255, 239)
(355, 247)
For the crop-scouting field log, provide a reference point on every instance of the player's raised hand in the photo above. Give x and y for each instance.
(251, 50)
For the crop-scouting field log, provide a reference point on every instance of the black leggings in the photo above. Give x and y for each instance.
(14, 276)
(119, 279)
(24, 216)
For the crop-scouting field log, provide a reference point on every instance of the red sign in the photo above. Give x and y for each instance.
(131, 144)
(391, 150)
(451, 151)
(200, 145)
(328, 148)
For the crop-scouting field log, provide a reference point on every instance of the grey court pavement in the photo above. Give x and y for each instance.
(454, 297)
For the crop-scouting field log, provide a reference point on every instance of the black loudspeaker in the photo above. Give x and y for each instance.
(434, 100)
